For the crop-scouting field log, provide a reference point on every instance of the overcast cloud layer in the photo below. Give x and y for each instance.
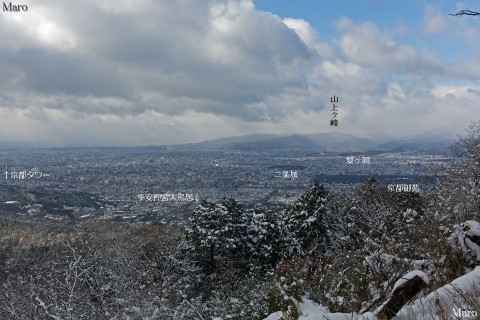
(160, 71)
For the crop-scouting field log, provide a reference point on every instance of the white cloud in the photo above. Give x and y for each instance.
(435, 21)
(304, 31)
(366, 44)
(309, 36)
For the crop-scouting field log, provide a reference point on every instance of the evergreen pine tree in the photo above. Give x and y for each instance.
(216, 232)
(265, 239)
(304, 221)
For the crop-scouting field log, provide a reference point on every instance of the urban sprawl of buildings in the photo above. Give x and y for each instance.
(160, 185)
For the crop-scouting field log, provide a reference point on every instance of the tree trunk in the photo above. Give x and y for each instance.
(400, 297)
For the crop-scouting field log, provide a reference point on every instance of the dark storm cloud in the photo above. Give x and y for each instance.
(69, 74)
(168, 56)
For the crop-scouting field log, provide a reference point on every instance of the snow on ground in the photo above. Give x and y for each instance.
(472, 228)
(444, 303)
(275, 316)
(440, 304)
(313, 311)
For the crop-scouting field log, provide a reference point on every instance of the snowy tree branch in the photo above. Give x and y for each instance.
(465, 12)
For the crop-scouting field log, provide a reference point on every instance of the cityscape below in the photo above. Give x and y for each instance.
(164, 184)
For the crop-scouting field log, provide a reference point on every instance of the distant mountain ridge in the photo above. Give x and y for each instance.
(326, 142)
(437, 139)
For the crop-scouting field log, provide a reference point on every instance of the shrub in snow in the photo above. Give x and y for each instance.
(467, 236)
(279, 302)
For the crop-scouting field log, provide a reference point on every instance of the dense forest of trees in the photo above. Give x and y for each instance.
(235, 263)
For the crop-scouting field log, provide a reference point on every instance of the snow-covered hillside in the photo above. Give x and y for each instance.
(458, 299)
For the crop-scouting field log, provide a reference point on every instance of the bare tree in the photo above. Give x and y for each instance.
(465, 12)
(457, 195)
